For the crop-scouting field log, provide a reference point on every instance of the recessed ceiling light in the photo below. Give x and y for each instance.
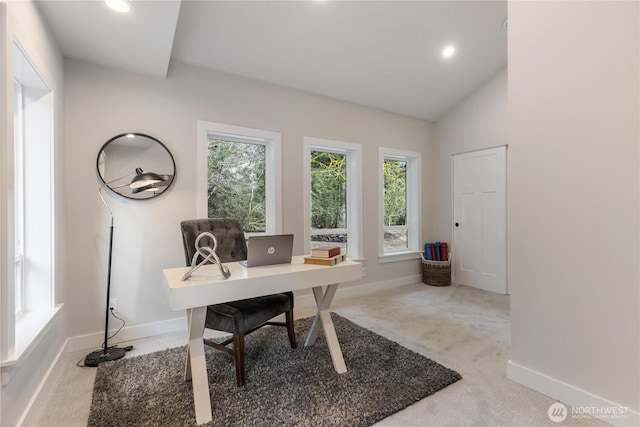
(122, 6)
(448, 51)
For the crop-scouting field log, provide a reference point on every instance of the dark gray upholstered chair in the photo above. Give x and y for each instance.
(238, 317)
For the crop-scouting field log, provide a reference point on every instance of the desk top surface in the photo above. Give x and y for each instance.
(207, 286)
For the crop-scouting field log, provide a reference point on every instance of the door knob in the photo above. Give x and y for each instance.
(457, 224)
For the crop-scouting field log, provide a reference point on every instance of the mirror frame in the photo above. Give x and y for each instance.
(151, 194)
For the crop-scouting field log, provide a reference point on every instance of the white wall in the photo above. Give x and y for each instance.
(23, 24)
(101, 103)
(479, 121)
(574, 121)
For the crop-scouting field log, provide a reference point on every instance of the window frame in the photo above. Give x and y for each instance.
(413, 225)
(353, 153)
(33, 121)
(19, 208)
(273, 170)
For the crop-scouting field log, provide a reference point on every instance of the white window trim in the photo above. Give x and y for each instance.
(18, 173)
(354, 191)
(414, 204)
(31, 328)
(273, 181)
(23, 331)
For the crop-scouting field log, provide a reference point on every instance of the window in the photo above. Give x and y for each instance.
(333, 199)
(31, 234)
(239, 176)
(328, 199)
(236, 182)
(33, 189)
(400, 201)
(395, 205)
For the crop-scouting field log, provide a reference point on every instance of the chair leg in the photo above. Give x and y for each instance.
(238, 354)
(290, 328)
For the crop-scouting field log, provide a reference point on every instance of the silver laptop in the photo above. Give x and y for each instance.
(269, 250)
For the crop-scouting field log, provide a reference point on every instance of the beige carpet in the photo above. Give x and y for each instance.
(460, 327)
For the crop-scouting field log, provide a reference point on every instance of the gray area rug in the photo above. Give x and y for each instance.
(285, 387)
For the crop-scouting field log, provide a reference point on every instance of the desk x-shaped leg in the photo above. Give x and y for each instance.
(196, 367)
(323, 302)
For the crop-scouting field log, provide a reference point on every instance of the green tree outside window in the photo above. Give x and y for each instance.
(395, 192)
(236, 183)
(328, 190)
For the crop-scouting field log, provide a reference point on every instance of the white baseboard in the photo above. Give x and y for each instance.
(583, 401)
(38, 399)
(369, 288)
(361, 290)
(95, 340)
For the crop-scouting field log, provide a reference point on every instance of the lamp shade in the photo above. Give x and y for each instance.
(151, 188)
(143, 179)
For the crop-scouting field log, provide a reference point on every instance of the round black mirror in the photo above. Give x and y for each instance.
(136, 166)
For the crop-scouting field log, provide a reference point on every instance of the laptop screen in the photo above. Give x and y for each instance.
(269, 250)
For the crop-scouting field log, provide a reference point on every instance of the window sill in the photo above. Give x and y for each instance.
(398, 256)
(31, 327)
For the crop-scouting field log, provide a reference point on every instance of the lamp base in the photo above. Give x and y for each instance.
(96, 357)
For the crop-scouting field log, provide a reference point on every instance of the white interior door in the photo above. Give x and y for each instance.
(480, 219)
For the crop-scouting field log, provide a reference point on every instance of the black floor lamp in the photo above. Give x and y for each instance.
(142, 181)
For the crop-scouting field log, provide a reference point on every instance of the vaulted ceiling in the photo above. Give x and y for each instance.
(382, 54)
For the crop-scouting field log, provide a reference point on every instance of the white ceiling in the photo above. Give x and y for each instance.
(89, 31)
(382, 54)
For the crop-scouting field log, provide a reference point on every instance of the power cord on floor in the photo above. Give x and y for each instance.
(128, 348)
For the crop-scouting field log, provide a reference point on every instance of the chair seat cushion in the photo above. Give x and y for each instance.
(247, 314)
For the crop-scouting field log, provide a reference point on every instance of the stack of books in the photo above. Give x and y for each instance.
(325, 255)
(437, 251)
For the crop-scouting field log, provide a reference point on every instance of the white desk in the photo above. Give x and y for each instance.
(207, 287)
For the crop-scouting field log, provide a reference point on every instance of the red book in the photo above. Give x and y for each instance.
(325, 251)
(444, 251)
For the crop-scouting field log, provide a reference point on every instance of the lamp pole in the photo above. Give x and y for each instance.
(106, 354)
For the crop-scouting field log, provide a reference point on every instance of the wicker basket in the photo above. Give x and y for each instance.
(436, 273)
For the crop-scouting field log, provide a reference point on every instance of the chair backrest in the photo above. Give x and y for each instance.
(232, 245)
